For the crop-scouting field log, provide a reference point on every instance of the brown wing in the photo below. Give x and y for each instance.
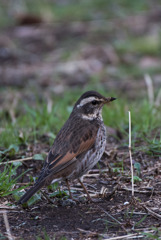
(73, 139)
(70, 142)
(65, 159)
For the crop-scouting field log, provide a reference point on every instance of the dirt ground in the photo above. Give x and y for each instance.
(111, 194)
(36, 59)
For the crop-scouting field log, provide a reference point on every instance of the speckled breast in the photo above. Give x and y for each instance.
(88, 160)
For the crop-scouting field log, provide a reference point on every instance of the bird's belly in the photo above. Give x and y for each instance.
(88, 160)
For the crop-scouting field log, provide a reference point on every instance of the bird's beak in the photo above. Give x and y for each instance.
(110, 99)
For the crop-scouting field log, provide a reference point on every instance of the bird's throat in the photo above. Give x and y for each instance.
(93, 116)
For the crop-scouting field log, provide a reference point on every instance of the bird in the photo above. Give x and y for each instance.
(78, 146)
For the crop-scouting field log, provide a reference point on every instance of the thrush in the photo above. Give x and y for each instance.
(78, 146)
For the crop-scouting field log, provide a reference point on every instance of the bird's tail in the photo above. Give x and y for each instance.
(31, 192)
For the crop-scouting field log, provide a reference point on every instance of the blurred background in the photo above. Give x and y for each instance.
(53, 51)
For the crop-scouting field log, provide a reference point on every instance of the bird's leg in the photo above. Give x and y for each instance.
(67, 182)
(85, 189)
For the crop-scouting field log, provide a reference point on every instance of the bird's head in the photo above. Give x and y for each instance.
(89, 105)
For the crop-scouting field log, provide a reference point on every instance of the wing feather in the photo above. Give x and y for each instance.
(67, 158)
(71, 141)
(74, 146)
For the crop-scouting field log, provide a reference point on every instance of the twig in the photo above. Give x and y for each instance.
(10, 237)
(5, 207)
(136, 191)
(114, 219)
(129, 236)
(138, 213)
(49, 105)
(91, 234)
(92, 171)
(158, 99)
(92, 175)
(92, 195)
(79, 189)
(156, 215)
(147, 229)
(150, 89)
(11, 210)
(18, 160)
(133, 235)
(132, 172)
(46, 196)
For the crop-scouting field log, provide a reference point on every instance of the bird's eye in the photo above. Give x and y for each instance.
(94, 102)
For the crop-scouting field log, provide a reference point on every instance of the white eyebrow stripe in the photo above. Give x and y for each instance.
(87, 100)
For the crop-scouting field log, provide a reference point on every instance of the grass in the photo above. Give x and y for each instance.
(37, 121)
(34, 122)
(45, 236)
(71, 10)
(149, 44)
(8, 179)
(155, 235)
(154, 146)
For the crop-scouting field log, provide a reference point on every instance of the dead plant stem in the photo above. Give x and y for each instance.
(10, 237)
(132, 172)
